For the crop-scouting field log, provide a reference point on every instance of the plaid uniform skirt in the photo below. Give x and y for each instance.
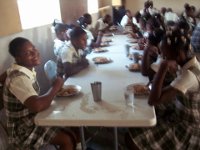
(35, 139)
(170, 133)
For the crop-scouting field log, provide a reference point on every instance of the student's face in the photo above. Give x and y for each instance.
(29, 56)
(88, 20)
(82, 41)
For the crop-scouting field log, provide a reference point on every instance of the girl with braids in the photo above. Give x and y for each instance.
(177, 104)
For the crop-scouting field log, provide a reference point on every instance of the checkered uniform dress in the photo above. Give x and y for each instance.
(178, 126)
(23, 133)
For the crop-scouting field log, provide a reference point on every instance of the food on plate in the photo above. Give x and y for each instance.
(134, 67)
(101, 60)
(99, 50)
(67, 91)
(139, 89)
(104, 44)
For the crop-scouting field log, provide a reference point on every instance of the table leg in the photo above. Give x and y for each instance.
(116, 138)
(83, 144)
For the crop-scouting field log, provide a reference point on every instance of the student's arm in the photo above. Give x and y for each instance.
(145, 62)
(3, 77)
(71, 69)
(40, 103)
(160, 94)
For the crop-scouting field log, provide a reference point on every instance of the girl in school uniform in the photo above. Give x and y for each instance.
(177, 104)
(22, 102)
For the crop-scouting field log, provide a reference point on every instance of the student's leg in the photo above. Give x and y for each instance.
(65, 140)
(129, 142)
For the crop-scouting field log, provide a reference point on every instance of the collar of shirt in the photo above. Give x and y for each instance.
(73, 50)
(30, 73)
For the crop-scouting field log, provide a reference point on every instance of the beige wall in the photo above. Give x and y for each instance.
(176, 5)
(7, 25)
(71, 10)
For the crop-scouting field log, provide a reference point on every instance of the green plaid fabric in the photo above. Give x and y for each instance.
(20, 121)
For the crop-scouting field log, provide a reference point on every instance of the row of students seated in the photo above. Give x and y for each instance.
(73, 43)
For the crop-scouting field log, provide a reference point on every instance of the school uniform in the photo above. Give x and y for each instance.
(178, 129)
(21, 84)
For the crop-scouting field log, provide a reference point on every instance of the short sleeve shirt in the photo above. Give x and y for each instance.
(100, 25)
(70, 54)
(187, 80)
(59, 46)
(22, 86)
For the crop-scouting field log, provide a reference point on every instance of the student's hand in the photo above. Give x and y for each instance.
(172, 66)
(58, 83)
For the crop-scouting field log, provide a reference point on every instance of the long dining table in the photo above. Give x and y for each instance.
(81, 110)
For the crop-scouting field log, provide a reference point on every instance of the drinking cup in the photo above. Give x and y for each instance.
(129, 98)
(96, 91)
(127, 50)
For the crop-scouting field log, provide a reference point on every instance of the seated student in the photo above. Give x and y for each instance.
(22, 102)
(93, 40)
(189, 16)
(170, 17)
(151, 53)
(61, 38)
(72, 59)
(195, 40)
(126, 19)
(177, 118)
(103, 24)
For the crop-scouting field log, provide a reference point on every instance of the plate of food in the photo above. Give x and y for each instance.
(69, 90)
(139, 89)
(101, 60)
(135, 67)
(108, 34)
(107, 40)
(104, 44)
(99, 50)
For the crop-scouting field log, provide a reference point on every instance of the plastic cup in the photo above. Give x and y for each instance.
(129, 98)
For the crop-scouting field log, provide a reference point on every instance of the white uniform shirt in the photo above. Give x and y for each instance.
(59, 46)
(70, 55)
(187, 80)
(124, 21)
(100, 25)
(21, 86)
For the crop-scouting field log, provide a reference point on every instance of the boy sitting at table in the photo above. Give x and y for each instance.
(22, 102)
(72, 59)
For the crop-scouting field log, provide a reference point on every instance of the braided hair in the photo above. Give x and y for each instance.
(175, 41)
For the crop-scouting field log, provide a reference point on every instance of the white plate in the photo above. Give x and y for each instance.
(69, 90)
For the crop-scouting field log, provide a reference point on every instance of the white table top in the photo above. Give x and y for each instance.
(81, 110)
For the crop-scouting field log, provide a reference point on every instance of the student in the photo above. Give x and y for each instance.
(195, 40)
(93, 40)
(103, 24)
(61, 38)
(73, 58)
(177, 105)
(151, 53)
(22, 102)
(126, 19)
